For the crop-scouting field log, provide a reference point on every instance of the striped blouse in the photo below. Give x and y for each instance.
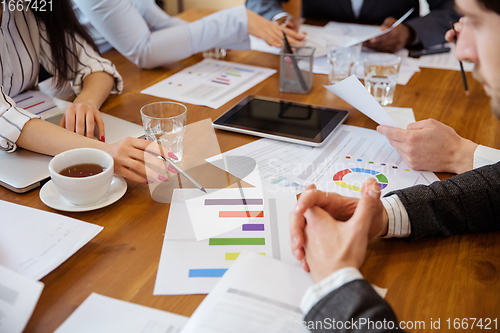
(23, 47)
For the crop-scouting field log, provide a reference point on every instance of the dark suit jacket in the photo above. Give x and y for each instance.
(466, 203)
(430, 29)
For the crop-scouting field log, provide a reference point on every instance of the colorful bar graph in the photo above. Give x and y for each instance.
(233, 202)
(207, 272)
(235, 255)
(237, 241)
(252, 227)
(246, 213)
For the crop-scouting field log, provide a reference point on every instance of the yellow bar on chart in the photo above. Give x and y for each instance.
(233, 256)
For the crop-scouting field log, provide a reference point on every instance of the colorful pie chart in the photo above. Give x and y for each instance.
(338, 178)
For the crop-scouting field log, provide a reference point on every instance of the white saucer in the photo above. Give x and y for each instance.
(51, 197)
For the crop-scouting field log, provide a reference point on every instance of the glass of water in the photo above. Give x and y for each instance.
(165, 123)
(381, 76)
(342, 61)
(215, 53)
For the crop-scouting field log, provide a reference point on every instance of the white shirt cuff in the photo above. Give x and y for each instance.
(485, 156)
(399, 222)
(334, 281)
(280, 15)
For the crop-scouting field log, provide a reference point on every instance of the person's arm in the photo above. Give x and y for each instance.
(430, 29)
(127, 31)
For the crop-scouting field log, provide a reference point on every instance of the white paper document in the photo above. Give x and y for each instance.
(354, 92)
(220, 211)
(188, 266)
(402, 116)
(210, 82)
(34, 242)
(444, 61)
(349, 34)
(272, 158)
(18, 298)
(349, 158)
(258, 294)
(102, 314)
(37, 103)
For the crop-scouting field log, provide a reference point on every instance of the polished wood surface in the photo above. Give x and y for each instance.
(456, 277)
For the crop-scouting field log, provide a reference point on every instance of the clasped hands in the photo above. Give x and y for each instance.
(329, 232)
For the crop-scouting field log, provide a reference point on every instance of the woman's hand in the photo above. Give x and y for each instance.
(138, 160)
(81, 118)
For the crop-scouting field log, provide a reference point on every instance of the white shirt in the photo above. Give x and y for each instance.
(398, 226)
(23, 46)
(147, 36)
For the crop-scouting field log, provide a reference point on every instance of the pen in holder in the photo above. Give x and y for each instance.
(296, 75)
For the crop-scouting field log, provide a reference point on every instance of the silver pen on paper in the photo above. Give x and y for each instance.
(182, 172)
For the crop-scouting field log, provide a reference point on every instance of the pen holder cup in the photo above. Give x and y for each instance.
(296, 70)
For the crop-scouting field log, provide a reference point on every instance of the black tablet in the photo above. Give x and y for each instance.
(281, 120)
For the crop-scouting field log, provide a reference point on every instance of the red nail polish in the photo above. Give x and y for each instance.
(162, 178)
(149, 182)
(172, 156)
(103, 139)
(171, 169)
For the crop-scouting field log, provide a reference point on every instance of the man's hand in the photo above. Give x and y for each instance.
(271, 32)
(431, 145)
(450, 34)
(339, 208)
(394, 40)
(81, 118)
(331, 244)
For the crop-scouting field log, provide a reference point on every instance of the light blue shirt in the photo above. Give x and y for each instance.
(149, 37)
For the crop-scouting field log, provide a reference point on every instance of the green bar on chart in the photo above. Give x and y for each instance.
(237, 241)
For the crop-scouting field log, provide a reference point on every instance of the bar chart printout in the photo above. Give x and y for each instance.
(189, 266)
(210, 82)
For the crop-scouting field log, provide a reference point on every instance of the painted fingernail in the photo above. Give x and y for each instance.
(295, 240)
(296, 253)
(171, 169)
(162, 178)
(103, 139)
(172, 156)
(149, 182)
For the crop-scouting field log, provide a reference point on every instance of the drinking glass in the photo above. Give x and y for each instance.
(342, 61)
(381, 76)
(215, 53)
(165, 123)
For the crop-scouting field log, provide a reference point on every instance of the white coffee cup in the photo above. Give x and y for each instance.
(84, 190)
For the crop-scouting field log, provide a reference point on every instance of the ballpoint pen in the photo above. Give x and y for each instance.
(179, 170)
(182, 172)
(288, 49)
(464, 79)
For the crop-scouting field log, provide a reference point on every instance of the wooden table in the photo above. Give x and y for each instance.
(456, 277)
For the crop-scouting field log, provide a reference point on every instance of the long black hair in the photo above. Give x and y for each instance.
(62, 26)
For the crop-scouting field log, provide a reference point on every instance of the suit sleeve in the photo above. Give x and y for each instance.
(466, 203)
(430, 29)
(265, 8)
(352, 306)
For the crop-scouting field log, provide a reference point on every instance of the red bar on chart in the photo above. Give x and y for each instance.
(241, 213)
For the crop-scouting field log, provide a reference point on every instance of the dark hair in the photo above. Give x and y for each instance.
(493, 5)
(62, 26)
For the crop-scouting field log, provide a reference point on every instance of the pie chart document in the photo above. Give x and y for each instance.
(353, 155)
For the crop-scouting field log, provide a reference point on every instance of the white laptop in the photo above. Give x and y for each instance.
(24, 170)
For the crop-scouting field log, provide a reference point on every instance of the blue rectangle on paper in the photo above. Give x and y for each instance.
(207, 272)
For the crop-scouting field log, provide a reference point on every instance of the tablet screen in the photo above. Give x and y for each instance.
(293, 120)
